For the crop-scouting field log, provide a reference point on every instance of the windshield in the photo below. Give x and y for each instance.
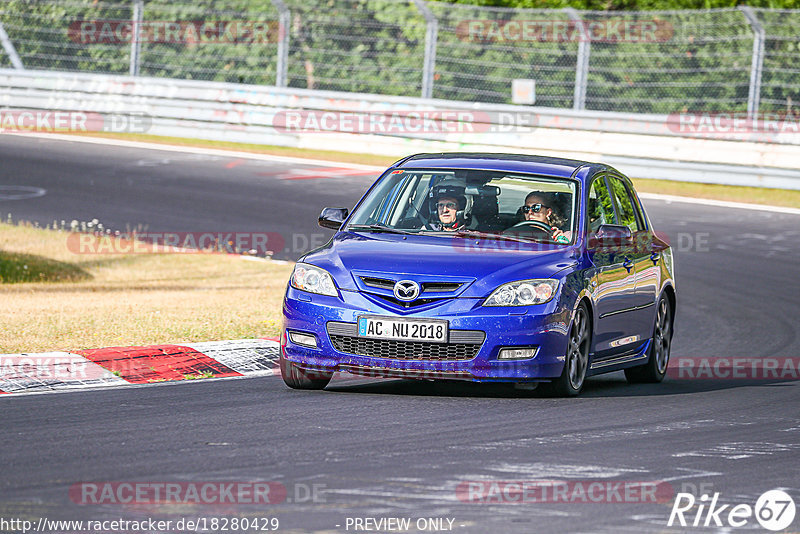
(458, 201)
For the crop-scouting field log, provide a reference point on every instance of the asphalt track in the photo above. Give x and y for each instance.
(401, 448)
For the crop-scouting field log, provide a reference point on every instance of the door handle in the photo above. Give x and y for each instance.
(628, 264)
(654, 256)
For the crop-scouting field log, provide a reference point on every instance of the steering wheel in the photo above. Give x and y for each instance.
(532, 225)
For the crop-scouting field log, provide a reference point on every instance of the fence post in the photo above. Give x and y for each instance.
(431, 36)
(284, 23)
(757, 63)
(8, 46)
(582, 62)
(136, 37)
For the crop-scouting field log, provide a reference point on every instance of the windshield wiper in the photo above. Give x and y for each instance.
(378, 228)
(485, 235)
(504, 237)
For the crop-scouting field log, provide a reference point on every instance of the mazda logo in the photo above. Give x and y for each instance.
(406, 290)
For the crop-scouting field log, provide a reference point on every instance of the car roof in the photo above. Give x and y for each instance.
(523, 163)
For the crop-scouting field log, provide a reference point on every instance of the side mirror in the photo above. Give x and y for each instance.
(332, 217)
(611, 237)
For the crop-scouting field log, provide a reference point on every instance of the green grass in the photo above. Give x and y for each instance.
(205, 374)
(18, 268)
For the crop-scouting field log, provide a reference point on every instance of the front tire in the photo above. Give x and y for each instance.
(297, 378)
(656, 367)
(570, 383)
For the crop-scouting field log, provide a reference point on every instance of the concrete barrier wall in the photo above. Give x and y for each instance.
(690, 148)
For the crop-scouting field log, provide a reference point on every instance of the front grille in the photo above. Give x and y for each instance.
(381, 283)
(430, 292)
(404, 350)
(440, 287)
(430, 287)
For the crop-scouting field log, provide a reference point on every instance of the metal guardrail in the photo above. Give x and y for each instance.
(646, 146)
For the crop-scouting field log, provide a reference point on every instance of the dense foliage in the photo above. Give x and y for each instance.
(634, 5)
(701, 59)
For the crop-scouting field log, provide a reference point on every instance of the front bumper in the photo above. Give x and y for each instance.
(544, 326)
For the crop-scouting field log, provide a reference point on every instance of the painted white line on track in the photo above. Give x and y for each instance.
(720, 203)
(20, 192)
(195, 150)
(328, 163)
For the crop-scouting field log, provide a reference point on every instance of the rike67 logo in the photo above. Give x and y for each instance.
(774, 510)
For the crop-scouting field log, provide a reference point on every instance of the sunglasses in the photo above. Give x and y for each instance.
(446, 205)
(536, 208)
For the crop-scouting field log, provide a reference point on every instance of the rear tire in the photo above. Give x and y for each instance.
(297, 378)
(658, 354)
(572, 378)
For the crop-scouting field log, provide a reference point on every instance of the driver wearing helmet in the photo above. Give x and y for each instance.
(449, 203)
(537, 208)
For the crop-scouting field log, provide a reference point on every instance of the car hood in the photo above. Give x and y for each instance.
(483, 263)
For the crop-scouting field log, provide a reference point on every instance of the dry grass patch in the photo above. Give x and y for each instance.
(750, 195)
(134, 299)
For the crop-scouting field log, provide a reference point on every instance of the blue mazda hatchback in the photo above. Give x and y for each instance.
(488, 268)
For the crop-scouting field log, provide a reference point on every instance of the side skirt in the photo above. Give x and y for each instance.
(631, 359)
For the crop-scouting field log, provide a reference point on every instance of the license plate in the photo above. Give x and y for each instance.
(376, 327)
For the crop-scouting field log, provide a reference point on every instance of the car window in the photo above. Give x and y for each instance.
(600, 207)
(626, 213)
(522, 206)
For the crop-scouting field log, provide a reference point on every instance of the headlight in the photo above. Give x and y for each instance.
(312, 279)
(523, 293)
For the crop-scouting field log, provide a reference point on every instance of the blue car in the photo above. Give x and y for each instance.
(529, 270)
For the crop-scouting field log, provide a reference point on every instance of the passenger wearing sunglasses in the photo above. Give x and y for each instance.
(537, 208)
